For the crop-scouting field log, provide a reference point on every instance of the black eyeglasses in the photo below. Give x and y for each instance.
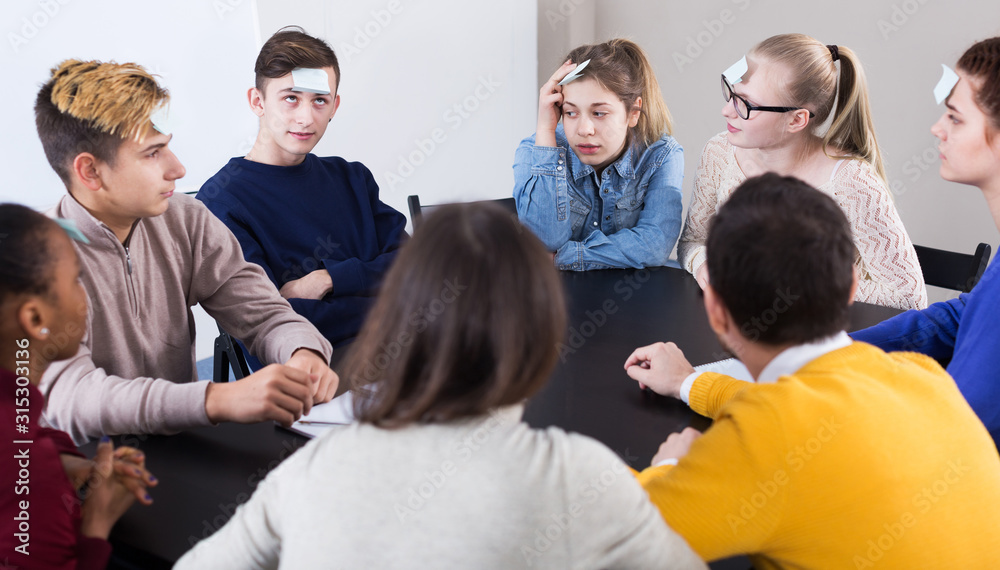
(743, 107)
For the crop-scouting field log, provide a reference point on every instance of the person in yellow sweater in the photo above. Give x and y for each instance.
(839, 455)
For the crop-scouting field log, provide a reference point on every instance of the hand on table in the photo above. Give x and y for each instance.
(309, 361)
(661, 367)
(275, 392)
(702, 276)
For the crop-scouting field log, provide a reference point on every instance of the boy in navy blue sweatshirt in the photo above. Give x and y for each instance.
(315, 225)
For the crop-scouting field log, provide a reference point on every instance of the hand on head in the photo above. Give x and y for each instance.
(550, 100)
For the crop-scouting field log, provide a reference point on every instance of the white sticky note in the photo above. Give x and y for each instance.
(161, 119)
(735, 72)
(575, 74)
(947, 82)
(310, 80)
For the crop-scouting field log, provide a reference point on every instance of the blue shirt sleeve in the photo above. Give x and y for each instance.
(931, 331)
(232, 216)
(540, 192)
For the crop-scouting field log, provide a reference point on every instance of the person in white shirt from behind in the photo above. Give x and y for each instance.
(440, 471)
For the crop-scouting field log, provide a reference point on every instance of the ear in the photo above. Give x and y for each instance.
(256, 99)
(32, 316)
(800, 121)
(634, 112)
(336, 105)
(718, 315)
(85, 171)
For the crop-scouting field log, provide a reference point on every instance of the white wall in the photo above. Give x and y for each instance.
(901, 44)
(406, 64)
(202, 50)
(434, 96)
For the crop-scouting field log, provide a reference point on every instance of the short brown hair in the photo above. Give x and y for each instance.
(982, 61)
(92, 106)
(781, 259)
(290, 48)
(468, 320)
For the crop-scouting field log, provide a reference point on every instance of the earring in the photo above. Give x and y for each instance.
(44, 331)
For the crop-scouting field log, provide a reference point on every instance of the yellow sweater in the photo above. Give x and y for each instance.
(861, 459)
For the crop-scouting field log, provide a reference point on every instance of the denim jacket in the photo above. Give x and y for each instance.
(630, 217)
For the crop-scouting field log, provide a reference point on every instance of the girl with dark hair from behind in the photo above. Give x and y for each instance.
(43, 308)
(440, 471)
(603, 188)
(962, 333)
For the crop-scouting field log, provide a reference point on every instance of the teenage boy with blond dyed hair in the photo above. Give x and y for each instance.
(315, 225)
(150, 257)
(839, 455)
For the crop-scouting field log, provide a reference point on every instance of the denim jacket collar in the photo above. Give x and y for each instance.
(624, 165)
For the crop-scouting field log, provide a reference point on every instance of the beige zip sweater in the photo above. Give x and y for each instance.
(134, 371)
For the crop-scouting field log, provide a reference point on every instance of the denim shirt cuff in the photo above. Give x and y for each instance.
(548, 160)
(570, 256)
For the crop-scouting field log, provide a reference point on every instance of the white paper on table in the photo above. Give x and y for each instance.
(730, 367)
(337, 412)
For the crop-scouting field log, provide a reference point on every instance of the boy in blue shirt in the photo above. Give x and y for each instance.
(314, 224)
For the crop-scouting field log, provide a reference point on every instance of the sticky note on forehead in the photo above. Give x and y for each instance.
(310, 80)
(947, 82)
(734, 74)
(575, 74)
(161, 120)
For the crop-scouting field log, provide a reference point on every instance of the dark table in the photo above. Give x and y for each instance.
(205, 473)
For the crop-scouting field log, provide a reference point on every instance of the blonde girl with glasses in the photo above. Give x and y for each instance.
(774, 116)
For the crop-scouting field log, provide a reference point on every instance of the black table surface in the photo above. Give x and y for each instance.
(205, 473)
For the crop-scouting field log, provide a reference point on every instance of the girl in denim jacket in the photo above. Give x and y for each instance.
(603, 189)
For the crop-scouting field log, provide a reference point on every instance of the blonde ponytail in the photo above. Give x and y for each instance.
(814, 86)
(853, 129)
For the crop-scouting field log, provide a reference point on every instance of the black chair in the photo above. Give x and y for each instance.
(228, 353)
(951, 270)
(417, 210)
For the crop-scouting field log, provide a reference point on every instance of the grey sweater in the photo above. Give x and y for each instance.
(485, 493)
(134, 371)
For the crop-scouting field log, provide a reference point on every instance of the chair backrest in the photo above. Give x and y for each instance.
(228, 353)
(951, 270)
(417, 210)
